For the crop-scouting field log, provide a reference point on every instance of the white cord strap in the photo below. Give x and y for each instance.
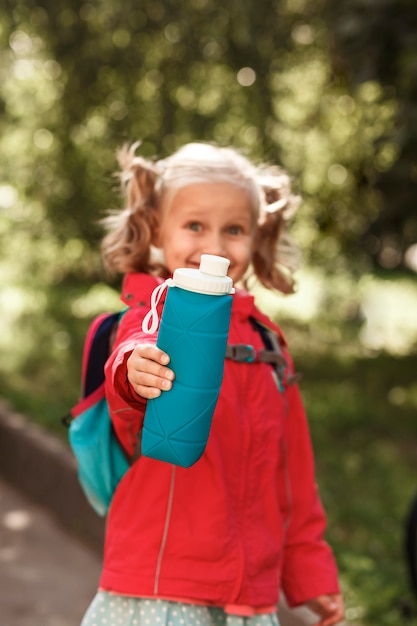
(151, 320)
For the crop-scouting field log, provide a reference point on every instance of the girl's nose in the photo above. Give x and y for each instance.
(214, 244)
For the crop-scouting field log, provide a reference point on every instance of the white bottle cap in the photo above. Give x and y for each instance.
(210, 279)
(215, 265)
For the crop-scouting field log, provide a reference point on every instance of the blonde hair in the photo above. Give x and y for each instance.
(129, 243)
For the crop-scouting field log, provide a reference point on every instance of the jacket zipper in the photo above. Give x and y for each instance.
(246, 453)
(165, 532)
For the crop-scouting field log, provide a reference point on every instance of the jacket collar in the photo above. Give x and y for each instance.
(137, 290)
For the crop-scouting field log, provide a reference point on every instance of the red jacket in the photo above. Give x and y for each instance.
(242, 522)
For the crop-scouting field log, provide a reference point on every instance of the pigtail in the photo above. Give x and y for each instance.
(128, 245)
(275, 255)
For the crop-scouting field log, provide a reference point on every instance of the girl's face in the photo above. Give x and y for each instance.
(208, 218)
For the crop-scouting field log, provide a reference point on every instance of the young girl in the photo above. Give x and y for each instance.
(214, 543)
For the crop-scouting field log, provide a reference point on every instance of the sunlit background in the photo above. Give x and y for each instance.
(327, 90)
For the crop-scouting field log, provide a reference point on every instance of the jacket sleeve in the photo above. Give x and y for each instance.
(127, 409)
(309, 568)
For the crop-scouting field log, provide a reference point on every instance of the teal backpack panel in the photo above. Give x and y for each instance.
(101, 461)
(100, 458)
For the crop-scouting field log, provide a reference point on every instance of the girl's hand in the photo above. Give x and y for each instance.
(329, 608)
(147, 372)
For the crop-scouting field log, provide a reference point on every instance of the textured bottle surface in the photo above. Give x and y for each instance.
(193, 331)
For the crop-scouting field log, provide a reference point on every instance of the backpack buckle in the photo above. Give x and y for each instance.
(241, 352)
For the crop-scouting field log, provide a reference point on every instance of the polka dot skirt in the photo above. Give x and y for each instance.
(112, 610)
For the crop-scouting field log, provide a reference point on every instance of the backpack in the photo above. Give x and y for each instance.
(101, 460)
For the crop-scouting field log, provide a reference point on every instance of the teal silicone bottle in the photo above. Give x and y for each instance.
(193, 332)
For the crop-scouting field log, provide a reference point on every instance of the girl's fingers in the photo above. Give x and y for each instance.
(152, 353)
(144, 379)
(147, 372)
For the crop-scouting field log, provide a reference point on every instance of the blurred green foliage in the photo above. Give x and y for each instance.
(327, 90)
(276, 79)
(363, 420)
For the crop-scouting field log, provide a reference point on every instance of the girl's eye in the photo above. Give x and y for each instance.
(235, 230)
(195, 226)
